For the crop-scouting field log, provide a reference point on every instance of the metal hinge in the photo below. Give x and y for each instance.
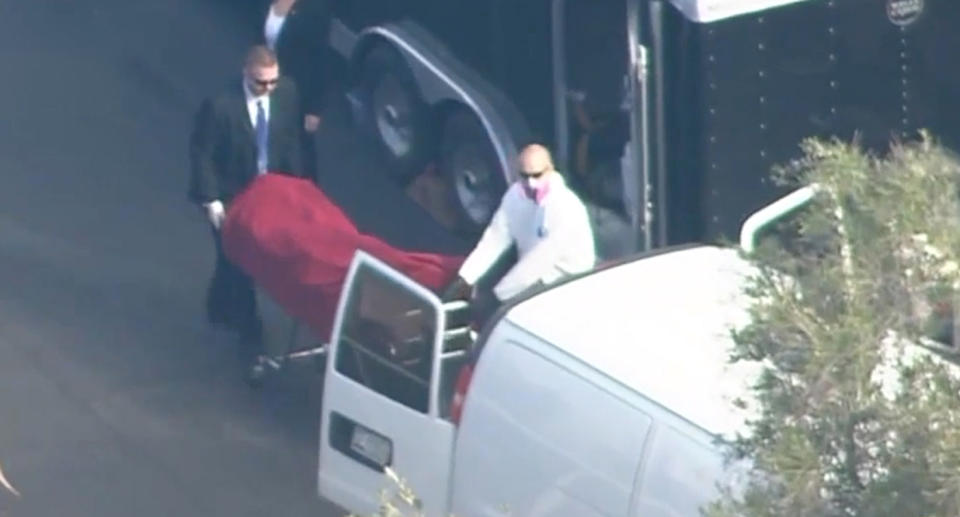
(642, 64)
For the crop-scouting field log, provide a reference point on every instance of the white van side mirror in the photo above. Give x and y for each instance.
(946, 339)
(772, 213)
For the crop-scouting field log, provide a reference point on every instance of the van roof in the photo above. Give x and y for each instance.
(706, 11)
(659, 325)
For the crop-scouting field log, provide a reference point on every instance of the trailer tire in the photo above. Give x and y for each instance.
(394, 113)
(469, 164)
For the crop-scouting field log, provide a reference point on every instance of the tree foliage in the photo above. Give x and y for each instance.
(852, 318)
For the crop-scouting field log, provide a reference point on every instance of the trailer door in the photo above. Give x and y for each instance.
(385, 391)
(598, 97)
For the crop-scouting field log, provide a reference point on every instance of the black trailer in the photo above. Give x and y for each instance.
(670, 113)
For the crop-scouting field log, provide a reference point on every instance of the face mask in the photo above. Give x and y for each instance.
(535, 188)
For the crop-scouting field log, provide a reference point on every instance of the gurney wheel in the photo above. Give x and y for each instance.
(256, 375)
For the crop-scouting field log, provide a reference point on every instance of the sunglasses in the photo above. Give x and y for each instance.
(265, 82)
(532, 174)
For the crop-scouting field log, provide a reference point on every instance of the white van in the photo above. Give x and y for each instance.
(601, 396)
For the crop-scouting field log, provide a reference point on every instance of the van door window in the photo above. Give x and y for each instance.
(387, 339)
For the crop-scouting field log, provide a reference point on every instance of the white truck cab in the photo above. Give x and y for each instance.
(601, 396)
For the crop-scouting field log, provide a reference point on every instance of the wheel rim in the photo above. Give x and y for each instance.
(393, 114)
(476, 184)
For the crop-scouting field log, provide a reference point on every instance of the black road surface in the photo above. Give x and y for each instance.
(115, 397)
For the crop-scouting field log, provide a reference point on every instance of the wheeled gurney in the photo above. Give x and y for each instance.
(285, 339)
(297, 246)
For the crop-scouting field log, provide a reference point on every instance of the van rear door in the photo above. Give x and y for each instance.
(386, 393)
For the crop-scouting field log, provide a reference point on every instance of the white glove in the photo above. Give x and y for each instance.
(215, 213)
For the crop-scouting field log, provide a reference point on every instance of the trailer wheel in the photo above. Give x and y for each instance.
(469, 163)
(394, 113)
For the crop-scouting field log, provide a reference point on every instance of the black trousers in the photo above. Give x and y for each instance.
(231, 300)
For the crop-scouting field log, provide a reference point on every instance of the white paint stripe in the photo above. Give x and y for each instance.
(707, 11)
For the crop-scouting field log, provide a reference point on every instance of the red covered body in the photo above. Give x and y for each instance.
(297, 245)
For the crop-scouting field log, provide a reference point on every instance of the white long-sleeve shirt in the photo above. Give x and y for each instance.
(272, 28)
(553, 239)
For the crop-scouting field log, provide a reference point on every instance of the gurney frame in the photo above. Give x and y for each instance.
(285, 339)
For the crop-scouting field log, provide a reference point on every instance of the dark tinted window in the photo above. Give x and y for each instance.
(386, 342)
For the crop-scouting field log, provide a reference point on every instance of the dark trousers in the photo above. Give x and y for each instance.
(231, 300)
(309, 146)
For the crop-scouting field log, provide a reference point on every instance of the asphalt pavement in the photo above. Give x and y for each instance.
(116, 399)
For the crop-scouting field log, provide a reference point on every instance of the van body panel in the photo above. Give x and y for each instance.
(680, 473)
(541, 438)
(566, 414)
(666, 336)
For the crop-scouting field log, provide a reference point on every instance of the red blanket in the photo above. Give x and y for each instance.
(297, 245)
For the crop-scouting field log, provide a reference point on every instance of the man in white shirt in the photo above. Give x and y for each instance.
(547, 223)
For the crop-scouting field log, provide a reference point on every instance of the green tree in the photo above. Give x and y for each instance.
(852, 319)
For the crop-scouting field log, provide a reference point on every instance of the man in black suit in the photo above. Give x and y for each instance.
(252, 127)
(298, 31)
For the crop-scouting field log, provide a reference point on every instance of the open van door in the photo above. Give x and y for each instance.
(389, 379)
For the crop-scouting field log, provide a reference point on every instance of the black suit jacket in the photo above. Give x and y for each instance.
(223, 152)
(303, 49)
